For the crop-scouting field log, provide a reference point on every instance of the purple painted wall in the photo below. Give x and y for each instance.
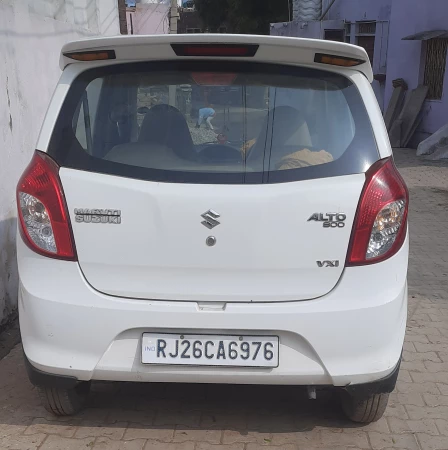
(405, 57)
(355, 10)
(368, 10)
(393, 56)
(349, 11)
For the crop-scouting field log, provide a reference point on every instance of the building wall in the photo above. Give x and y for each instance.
(189, 19)
(149, 17)
(31, 35)
(393, 56)
(343, 11)
(349, 10)
(356, 10)
(298, 28)
(405, 57)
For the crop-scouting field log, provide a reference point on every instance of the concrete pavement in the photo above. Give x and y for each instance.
(189, 417)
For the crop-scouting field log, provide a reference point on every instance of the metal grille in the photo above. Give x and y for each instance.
(435, 67)
(366, 27)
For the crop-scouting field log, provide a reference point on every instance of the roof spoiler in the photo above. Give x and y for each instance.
(269, 49)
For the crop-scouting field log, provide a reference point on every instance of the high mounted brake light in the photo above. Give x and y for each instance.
(91, 55)
(380, 225)
(215, 50)
(335, 60)
(44, 220)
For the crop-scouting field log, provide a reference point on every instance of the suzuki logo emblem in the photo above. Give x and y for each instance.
(210, 219)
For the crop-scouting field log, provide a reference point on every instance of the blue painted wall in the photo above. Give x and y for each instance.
(355, 10)
(406, 58)
(393, 56)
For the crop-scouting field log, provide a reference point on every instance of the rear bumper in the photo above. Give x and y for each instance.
(383, 385)
(353, 335)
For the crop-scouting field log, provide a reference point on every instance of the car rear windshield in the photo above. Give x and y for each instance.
(226, 123)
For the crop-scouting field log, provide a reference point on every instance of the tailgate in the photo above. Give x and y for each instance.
(236, 184)
(266, 247)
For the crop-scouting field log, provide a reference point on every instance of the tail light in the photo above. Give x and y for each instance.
(337, 60)
(91, 55)
(44, 220)
(380, 224)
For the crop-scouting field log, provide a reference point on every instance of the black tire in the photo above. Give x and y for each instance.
(64, 402)
(364, 409)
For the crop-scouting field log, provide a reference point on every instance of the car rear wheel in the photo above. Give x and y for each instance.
(364, 408)
(64, 402)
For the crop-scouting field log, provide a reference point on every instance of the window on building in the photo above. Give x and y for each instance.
(365, 37)
(366, 27)
(435, 64)
(348, 30)
(368, 43)
(334, 35)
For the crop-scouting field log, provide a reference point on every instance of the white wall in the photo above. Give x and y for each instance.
(31, 35)
(149, 17)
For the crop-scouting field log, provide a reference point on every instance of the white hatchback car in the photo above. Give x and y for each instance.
(213, 209)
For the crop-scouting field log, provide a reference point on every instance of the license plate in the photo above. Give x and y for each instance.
(210, 350)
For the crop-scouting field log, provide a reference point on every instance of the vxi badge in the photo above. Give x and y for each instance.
(334, 263)
(329, 220)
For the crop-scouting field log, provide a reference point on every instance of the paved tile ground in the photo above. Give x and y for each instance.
(188, 417)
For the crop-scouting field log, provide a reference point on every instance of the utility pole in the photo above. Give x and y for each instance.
(174, 17)
(122, 17)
